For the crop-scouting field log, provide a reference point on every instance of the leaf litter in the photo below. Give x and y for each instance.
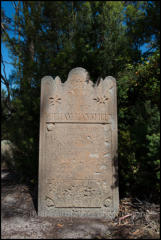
(137, 219)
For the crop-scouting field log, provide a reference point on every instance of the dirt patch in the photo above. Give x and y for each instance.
(136, 219)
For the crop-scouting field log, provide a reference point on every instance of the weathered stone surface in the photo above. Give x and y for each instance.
(78, 147)
(7, 154)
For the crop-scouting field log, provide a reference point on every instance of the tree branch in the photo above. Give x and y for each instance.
(5, 81)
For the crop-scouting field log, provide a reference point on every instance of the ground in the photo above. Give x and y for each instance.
(136, 220)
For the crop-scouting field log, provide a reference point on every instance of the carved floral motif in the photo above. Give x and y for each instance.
(50, 126)
(102, 99)
(54, 100)
(107, 202)
(49, 202)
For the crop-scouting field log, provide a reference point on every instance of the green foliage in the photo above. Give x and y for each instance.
(105, 38)
(139, 126)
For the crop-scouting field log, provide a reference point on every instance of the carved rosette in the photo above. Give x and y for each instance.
(50, 126)
(49, 202)
(102, 99)
(107, 202)
(54, 100)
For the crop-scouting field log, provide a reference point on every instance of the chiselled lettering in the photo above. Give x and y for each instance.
(78, 117)
(68, 116)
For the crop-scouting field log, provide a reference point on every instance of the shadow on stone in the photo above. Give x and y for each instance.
(115, 176)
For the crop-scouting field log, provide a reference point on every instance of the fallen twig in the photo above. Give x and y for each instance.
(122, 218)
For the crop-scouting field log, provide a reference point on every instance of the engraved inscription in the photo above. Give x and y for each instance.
(81, 152)
(78, 117)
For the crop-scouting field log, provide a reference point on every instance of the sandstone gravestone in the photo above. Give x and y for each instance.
(78, 147)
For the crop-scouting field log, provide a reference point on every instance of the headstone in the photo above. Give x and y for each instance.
(7, 154)
(78, 147)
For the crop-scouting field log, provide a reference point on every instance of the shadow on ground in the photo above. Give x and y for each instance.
(20, 220)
